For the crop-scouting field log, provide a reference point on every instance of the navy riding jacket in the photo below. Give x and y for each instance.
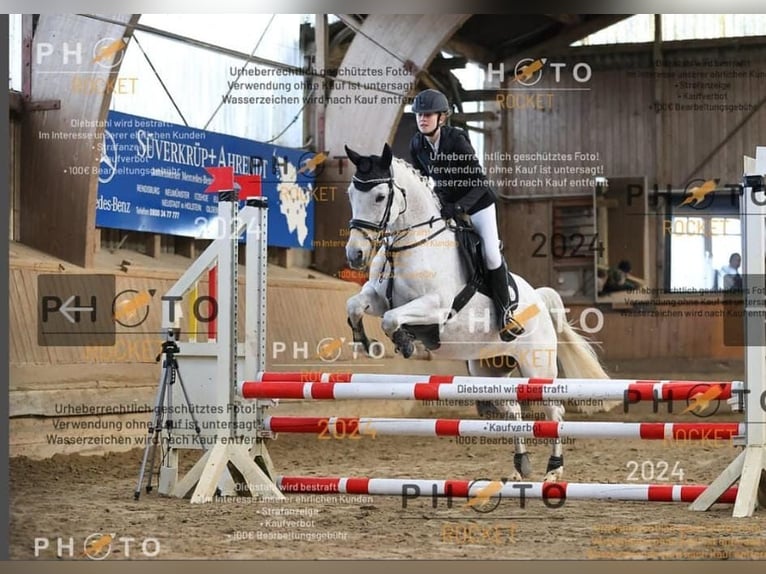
(455, 169)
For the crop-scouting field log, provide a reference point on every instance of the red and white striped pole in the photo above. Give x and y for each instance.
(414, 488)
(488, 389)
(346, 377)
(369, 426)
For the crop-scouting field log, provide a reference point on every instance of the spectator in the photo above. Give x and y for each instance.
(732, 280)
(617, 279)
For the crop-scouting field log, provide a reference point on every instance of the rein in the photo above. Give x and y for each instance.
(390, 249)
(379, 229)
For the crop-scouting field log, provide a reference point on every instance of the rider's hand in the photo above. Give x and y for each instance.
(451, 211)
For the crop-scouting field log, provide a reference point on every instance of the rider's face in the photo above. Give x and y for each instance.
(427, 122)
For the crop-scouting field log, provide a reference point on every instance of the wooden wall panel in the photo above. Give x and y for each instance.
(639, 334)
(304, 311)
(15, 178)
(615, 117)
(627, 233)
(518, 222)
(331, 217)
(58, 209)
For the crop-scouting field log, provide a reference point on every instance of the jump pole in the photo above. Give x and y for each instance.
(494, 390)
(349, 427)
(471, 490)
(750, 466)
(377, 378)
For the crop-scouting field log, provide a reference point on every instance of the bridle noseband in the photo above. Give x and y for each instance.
(365, 226)
(379, 228)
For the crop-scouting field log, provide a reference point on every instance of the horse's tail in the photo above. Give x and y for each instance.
(576, 356)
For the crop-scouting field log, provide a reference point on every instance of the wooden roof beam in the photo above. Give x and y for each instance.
(469, 50)
(567, 19)
(565, 37)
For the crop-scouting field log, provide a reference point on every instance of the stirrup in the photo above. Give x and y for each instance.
(511, 329)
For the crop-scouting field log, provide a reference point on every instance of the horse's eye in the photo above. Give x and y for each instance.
(380, 198)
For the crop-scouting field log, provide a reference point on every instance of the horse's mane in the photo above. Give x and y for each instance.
(403, 168)
(413, 172)
(409, 167)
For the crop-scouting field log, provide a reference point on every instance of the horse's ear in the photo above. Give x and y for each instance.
(353, 156)
(387, 155)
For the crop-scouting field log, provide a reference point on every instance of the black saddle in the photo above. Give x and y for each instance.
(472, 259)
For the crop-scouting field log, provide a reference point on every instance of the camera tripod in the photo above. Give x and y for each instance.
(163, 410)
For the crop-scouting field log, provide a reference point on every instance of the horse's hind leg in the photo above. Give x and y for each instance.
(554, 411)
(555, 470)
(507, 410)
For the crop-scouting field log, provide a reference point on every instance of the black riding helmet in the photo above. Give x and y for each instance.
(430, 101)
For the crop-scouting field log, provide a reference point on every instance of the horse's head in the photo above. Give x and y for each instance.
(374, 204)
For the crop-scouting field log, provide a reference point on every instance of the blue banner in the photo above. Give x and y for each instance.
(152, 178)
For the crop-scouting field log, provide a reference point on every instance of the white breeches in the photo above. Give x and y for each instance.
(485, 222)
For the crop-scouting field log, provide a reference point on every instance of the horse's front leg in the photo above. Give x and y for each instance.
(366, 301)
(425, 310)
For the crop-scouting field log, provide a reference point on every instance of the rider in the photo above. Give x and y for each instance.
(445, 153)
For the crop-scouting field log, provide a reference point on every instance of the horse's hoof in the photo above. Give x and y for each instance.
(368, 345)
(554, 475)
(403, 343)
(555, 469)
(522, 464)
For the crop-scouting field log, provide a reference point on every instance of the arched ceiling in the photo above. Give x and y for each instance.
(383, 40)
(58, 209)
(413, 37)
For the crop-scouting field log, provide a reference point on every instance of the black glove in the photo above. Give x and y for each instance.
(451, 211)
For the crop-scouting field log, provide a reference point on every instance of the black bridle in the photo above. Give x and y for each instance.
(365, 226)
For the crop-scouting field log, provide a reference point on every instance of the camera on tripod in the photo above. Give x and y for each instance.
(170, 347)
(163, 409)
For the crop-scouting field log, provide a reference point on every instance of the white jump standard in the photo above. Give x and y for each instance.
(237, 461)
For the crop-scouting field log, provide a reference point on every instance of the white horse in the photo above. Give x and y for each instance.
(417, 267)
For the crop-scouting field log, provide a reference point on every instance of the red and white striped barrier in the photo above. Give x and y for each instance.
(368, 426)
(487, 388)
(322, 377)
(413, 488)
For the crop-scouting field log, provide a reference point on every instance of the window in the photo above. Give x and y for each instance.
(14, 52)
(640, 28)
(699, 244)
(573, 247)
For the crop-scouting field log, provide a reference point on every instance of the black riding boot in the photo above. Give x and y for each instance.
(509, 327)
